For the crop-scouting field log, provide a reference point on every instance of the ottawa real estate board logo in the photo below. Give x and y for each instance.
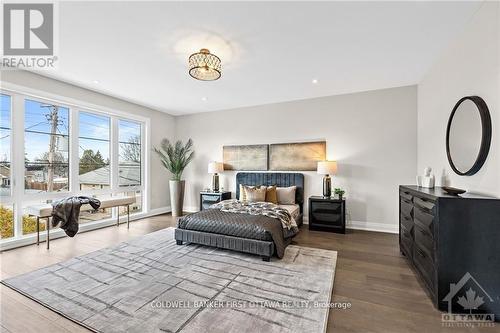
(28, 36)
(469, 305)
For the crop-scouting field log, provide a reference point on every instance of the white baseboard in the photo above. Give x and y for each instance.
(159, 211)
(191, 209)
(372, 226)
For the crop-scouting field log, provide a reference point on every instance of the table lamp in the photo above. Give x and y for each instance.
(327, 168)
(214, 168)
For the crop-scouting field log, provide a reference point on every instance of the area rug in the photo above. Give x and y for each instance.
(150, 284)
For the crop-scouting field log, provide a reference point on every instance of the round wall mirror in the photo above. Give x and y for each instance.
(468, 136)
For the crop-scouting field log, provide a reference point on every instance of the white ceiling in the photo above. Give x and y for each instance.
(270, 52)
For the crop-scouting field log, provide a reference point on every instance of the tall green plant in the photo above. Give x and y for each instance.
(176, 157)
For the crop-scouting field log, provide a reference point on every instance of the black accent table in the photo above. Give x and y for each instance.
(327, 214)
(208, 198)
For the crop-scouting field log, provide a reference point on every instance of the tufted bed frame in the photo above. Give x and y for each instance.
(262, 248)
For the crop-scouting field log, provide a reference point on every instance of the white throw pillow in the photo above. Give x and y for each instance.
(286, 195)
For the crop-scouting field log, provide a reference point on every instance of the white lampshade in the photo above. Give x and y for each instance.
(215, 167)
(327, 167)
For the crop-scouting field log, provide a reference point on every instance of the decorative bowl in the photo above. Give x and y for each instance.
(453, 191)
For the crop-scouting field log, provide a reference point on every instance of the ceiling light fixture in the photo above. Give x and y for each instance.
(96, 81)
(205, 66)
(315, 81)
(204, 99)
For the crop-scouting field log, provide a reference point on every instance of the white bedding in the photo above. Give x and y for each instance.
(294, 210)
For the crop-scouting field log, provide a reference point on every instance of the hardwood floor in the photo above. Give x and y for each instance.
(371, 275)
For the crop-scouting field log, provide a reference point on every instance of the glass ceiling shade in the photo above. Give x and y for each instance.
(205, 66)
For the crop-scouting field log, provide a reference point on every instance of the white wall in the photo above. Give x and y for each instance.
(470, 66)
(162, 124)
(372, 135)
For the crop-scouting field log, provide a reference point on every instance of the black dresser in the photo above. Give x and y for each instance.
(208, 198)
(327, 214)
(452, 240)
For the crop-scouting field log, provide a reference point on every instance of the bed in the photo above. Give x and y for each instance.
(256, 234)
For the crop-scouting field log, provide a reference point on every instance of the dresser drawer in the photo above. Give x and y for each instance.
(406, 241)
(424, 219)
(210, 199)
(424, 265)
(326, 207)
(406, 208)
(334, 220)
(424, 204)
(406, 195)
(425, 241)
(406, 221)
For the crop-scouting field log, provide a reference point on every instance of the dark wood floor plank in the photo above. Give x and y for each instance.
(385, 294)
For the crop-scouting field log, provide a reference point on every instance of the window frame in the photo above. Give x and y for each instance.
(126, 188)
(52, 102)
(19, 198)
(8, 198)
(77, 180)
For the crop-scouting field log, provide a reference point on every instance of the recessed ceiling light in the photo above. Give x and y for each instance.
(315, 81)
(204, 99)
(96, 81)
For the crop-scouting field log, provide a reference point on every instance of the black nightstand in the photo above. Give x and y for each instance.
(327, 214)
(208, 198)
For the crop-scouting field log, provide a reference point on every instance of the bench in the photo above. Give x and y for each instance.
(44, 211)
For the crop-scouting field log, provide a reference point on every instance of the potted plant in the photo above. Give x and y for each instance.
(175, 158)
(339, 192)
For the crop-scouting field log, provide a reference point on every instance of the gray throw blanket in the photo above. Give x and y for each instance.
(67, 212)
(257, 208)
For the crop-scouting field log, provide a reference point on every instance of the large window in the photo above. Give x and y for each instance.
(129, 137)
(68, 151)
(46, 128)
(94, 142)
(6, 211)
(5, 139)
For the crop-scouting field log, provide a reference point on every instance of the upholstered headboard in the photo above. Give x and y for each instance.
(280, 179)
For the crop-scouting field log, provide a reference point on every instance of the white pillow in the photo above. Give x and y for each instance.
(286, 195)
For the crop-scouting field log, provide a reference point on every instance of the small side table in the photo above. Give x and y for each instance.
(327, 214)
(208, 198)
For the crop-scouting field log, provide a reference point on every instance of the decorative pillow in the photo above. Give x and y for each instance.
(271, 194)
(255, 194)
(243, 192)
(286, 195)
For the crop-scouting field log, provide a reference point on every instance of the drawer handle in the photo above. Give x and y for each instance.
(420, 252)
(424, 209)
(425, 232)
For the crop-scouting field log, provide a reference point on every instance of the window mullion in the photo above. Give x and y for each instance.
(74, 149)
(114, 155)
(145, 168)
(17, 162)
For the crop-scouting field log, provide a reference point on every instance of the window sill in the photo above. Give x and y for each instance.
(30, 239)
